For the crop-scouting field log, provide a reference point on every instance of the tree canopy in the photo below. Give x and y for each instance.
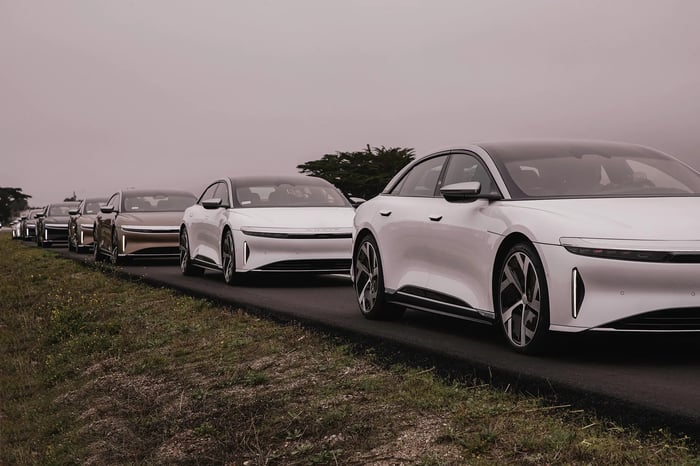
(361, 174)
(12, 202)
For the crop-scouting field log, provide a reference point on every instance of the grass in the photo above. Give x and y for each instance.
(98, 370)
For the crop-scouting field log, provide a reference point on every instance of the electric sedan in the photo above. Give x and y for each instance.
(52, 224)
(81, 222)
(29, 224)
(566, 236)
(267, 224)
(140, 224)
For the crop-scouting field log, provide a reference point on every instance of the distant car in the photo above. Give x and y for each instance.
(140, 223)
(52, 224)
(267, 224)
(28, 224)
(81, 223)
(16, 227)
(536, 237)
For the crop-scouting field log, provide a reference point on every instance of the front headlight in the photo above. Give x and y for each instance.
(630, 250)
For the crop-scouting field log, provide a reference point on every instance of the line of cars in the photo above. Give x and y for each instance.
(534, 237)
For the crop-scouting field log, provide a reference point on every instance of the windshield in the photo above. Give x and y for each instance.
(92, 207)
(158, 202)
(60, 210)
(597, 170)
(290, 195)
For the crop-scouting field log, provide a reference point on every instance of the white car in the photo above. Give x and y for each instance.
(267, 224)
(535, 237)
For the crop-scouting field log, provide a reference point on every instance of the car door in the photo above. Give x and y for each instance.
(195, 219)
(402, 226)
(461, 250)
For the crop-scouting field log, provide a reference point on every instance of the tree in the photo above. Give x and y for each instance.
(361, 174)
(12, 202)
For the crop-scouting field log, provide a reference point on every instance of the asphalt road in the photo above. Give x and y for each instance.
(652, 379)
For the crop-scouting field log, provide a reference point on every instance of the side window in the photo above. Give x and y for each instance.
(222, 193)
(208, 193)
(464, 168)
(422, 180)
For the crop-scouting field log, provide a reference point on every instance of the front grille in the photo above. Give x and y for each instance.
(315, 265)
(665, 319)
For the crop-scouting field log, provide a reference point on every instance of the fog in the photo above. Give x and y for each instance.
(98, 95)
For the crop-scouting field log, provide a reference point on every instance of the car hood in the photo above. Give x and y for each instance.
(295, 218)
(667, 218)
(57, 219)
(150, 219)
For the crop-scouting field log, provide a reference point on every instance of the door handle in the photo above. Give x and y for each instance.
(384, 213)
(435, 218)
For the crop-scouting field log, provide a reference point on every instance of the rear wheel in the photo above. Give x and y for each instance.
(228, 258)
(522, 300)
(369, 283)
(185, 260)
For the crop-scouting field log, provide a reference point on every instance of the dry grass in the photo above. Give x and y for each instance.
(100, 371)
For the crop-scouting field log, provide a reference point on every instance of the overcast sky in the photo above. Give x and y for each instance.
(97, 95)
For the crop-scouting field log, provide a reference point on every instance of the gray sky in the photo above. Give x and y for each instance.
(96, 95)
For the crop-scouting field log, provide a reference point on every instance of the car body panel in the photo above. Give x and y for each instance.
(139, 233)
(270, 238)
(451, 250)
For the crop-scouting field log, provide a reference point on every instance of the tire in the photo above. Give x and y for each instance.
(368, 282)
(96, 253)
(114, 251)
(228, 258)
(521, 300)
(186, 266)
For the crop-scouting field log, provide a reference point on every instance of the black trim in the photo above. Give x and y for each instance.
(427, 300)
(675, 319)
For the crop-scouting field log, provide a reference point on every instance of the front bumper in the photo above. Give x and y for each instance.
(149, 241)
(297, 254)
(620, 295)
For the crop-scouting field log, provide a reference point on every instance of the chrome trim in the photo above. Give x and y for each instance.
(320, 233)
(574, 292)
(63, 226)
(150, 229)
(86, 226)
(608, 329)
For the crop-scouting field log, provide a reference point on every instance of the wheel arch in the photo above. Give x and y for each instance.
(508, 242)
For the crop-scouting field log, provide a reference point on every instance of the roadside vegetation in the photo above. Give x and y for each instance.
(98, 370)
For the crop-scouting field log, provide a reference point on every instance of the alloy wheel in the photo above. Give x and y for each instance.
(366, 276)
(228, 258)
(521, 303)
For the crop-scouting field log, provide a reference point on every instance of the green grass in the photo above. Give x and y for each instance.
(99, 370)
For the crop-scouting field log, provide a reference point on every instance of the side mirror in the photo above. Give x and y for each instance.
(356, 201)
(39, 216)
(466, 192)
(73, 212)
(213, 203)
(107, 209)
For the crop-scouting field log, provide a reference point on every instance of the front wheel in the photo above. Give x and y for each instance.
(114, 256)
(369, 283)
(522, 300)
(228, 258)
(96, 253)
(186, 266)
